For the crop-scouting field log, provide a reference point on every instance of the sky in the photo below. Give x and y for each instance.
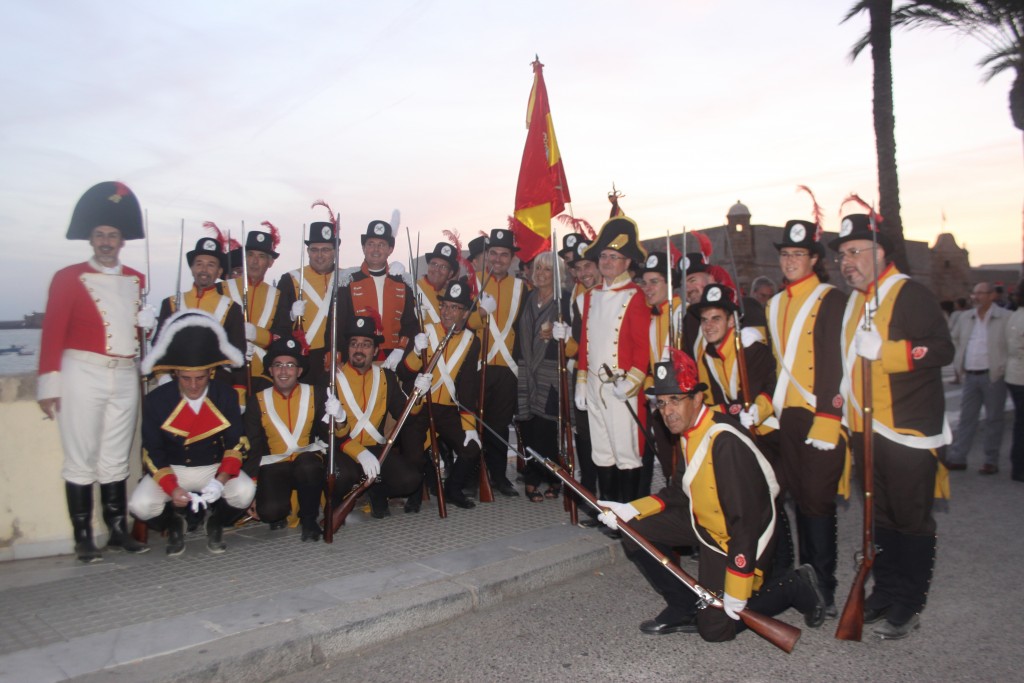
(251, 111)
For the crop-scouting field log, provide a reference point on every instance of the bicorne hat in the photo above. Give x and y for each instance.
(619, 234)
(109, 203)
(191, 340)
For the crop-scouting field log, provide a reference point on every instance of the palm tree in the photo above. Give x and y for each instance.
(879, 37)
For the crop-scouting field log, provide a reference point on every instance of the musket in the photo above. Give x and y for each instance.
(851, 621)
(302, 271)
(329, 528)
(245, 309)
(778, 633)
(338, 516)
(486, 494)
(181, 258)
(682, 319)
(435, 455)
(565, 438)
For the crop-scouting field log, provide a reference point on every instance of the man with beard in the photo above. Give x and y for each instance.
(454, 390)
(374, 292)
(287, 438)
(87, 364)
(312, 298)
(192, 434)
(366, 394)
(725, 505)
(267, 316)
(894, 326)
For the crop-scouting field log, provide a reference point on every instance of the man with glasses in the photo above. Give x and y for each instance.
(442, 266)
(894, 326)
(804, 326)
(287, 438)
(310, 291)
(614, 355)
(981, 356)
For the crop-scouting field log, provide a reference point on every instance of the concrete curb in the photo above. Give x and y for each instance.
(280, 648)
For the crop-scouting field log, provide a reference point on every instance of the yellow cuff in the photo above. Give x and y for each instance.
(825, 428)
(739, 586)
(651, 505)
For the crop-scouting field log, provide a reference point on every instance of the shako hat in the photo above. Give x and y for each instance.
(569, 242)
(109, 203)
(286, 346)
(715, 296)
(458, 292)
(694, 262)
(260, 241)
(191, 340)
(321, 232)
(657, 262)
(477, 246)
(619, 234)
(857, 226)
(233, 259)
(502, 237)
(208, 246)
(380, 230)
(801, 235)
(678, 375)
(365, 326)
(575, 255)
(445, 251)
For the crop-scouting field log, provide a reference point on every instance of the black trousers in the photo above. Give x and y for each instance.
(500, 396)
(541, 435)
(400, 474)
(304, 474)
(448, 423)
(811, 476)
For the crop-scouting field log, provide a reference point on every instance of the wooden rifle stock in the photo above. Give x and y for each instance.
(435, 454)
(778, 633)
(851, 622)
(340, 513)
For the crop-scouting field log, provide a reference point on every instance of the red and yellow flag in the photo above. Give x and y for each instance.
(542, 191)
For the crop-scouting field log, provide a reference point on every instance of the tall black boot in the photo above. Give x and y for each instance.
(378, 502)
(886, 573)
(607, 483)
(782, 561)
(917, 561)
(80, 509)
(219, 514)
(629, 484)
(115, 513)
(175, 524)
(798, 588)
(818, 549)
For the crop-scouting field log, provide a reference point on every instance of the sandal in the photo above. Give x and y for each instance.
(533, 495)
(553, 492)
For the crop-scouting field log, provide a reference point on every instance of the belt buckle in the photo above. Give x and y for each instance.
(112, 363)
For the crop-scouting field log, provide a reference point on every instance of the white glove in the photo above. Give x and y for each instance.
(820, 445)
(371, 465)
(750, 336)
(750, 417)
(298, 309)
(621, 388)
(250, 350)
(472, 436)
(197, 502)
(393, 359)
(488, 303)
(422, 383)
(561, 331)
(614, 512)
(581, 397)
(868, 344)
(733, 606)
(250, 332)
(212, 492)
(146, 318)
(397, 269)
(333, 408)
(419, 342)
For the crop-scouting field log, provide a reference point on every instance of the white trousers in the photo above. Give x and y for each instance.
(99, 404)
(614, 435)
(148, 499)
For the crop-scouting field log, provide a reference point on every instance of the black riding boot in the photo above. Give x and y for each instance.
(220, 514)
(629, 484)
(175, 524)
(115, 513)
(80, 509)
(917, 560)
(608, 483)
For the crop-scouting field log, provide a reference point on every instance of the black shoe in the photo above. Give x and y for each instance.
(461, 501)
(890, 631)
(278, 525)
(175, 535)
(653, 627)
(506, 489)
(215, 534)
(873, 615)
(310, 530)
(815, 616)
(588, 522)
(413, 503)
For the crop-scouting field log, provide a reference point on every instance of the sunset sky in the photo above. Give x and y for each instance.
(235, 111)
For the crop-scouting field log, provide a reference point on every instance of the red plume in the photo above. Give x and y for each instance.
(685, 369)
(121, 190)
(853, 197)
(378, 324)
(453, 237)
(816, 211)
(300, 336)
(512, 223)
(275, 234)
(483, 234)
(579, 225)
(705, 245)
(327, 206)
(221, 238)
(721, 276)
(675, 254)
(233, 244)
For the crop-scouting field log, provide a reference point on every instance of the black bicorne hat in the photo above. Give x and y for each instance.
(619, 234)
(109, 203)
(191, 340)
(379, 229)
(321, 232)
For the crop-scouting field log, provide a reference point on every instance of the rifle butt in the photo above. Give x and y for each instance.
(140, 532)
(347, 505)
(486, 493)
(851, 621)
(778, 633)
